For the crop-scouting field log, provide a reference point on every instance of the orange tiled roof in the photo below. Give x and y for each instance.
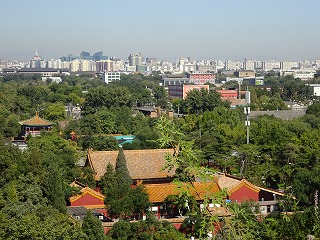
(142, 164)
(36, 121)
(158, 192)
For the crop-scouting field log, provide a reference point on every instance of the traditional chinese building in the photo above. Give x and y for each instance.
(34, 126)
(87, 197)
(146, 165)
(240, 190)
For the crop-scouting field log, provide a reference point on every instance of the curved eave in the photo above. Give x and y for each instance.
(36, 125)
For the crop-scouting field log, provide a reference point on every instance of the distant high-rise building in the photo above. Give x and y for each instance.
(248, 64)
(104, 65)
(75, 65)
(98, 56)
(232, 65)
(87, 65)
(270, 64)
(287, 65)
(68, 58)
(3, 64)
(151, 60)
(85, 55)
(135, 59)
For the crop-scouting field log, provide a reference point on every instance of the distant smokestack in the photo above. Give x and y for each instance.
(239, 90)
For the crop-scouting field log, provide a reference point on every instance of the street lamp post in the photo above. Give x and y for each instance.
(247, 122)
(247, 112)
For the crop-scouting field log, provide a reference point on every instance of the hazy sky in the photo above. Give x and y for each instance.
(165, 29)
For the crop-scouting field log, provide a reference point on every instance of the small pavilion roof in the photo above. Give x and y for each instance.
(36, 121)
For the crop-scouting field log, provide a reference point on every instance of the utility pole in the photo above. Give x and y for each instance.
(247, 112)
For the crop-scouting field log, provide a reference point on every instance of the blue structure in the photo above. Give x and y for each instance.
(124, 139)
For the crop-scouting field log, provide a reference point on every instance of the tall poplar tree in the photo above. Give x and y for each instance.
(53, 189)
(107, 181)
(123, 178)
(121, 200)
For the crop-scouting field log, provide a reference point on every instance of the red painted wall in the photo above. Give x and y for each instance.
(244, 193)
(177, 225)
(106, 230)
(87, 199)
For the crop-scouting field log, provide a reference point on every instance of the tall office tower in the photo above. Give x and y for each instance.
(135, 59)
(68, 58)
(85, 55)
(98, 56)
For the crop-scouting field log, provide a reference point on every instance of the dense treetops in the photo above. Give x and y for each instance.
(282, 154)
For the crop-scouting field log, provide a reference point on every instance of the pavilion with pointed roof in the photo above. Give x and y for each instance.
(34, 126)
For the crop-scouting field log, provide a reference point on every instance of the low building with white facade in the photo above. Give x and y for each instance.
(109, 77)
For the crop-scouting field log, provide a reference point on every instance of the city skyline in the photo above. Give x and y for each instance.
(282, 30)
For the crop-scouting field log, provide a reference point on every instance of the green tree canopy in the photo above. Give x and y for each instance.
(92, 227)
(199, 101)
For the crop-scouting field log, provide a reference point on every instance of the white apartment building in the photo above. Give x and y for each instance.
(75, 66)
(87, 66)
(248, 64)
(270, 64)
(288, 65)
(109, 77)
(232, 65)
(55, 63)
(3, 64)
(315, 89)
(119, 65)
(302, 74)
(205, 67)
